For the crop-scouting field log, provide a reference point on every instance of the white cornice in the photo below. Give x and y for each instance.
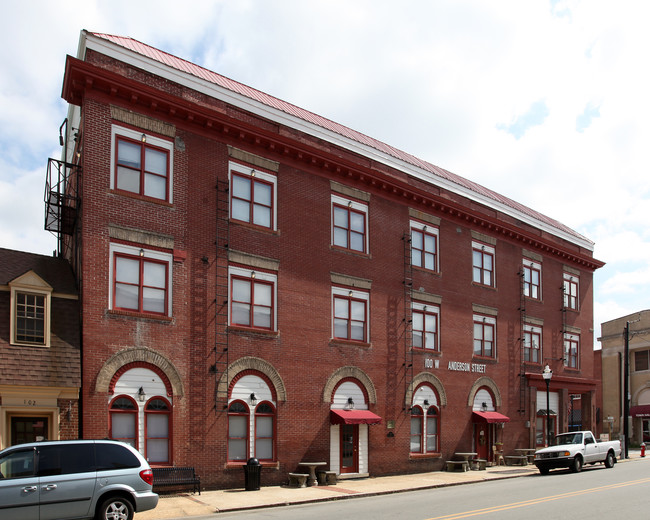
(108, 48)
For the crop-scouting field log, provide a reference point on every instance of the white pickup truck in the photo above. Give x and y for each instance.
(575, 449)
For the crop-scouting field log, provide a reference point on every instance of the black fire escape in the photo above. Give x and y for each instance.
(62, 191)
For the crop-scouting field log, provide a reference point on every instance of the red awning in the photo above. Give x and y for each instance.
(642, 410)
(353, 417)
(490, 417)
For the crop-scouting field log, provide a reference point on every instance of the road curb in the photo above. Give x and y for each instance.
(365, 494)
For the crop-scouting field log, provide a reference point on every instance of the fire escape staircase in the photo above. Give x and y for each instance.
(408, 313)
(62, 194)
(522, 340)
(221, 346)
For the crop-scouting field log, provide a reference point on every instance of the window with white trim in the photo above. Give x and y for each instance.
(424, 246)
(141, 164)
(532, 344)
(350, 314)
(483, 264)
(140, 280)
(425, 421)
(571, 350)
(252, 196)
(570, 289)
(532, 279)
(349, 224)
(252, 298)
(485, 336)
(425, 326)
(31, 300)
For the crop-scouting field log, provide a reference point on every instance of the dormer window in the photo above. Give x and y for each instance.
(30, 311)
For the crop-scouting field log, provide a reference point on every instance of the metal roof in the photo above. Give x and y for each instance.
(293, 110)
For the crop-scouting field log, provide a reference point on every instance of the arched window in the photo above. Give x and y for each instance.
(251, 418)
(238, 421)
(157, 420)
(417, 425)
(141, 411)
(425, 421)
(124, 420)
(264, 432)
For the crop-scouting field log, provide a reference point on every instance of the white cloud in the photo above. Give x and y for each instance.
(433, 78)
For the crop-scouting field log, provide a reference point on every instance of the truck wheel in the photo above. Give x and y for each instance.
(115, 508)
(576, 466)
(609, 460)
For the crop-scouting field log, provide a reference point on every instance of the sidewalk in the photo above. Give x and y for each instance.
(228, 500)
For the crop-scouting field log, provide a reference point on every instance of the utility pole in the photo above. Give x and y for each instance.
(626, 390)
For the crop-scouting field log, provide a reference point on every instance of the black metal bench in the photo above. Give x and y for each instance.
(176, 476)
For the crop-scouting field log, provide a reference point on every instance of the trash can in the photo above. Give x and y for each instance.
(252, 472)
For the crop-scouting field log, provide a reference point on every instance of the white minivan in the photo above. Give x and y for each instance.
(59, 480)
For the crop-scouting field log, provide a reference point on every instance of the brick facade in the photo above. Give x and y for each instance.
(296, 363)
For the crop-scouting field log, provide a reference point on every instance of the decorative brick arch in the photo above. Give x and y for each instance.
(254, 364)
(349, 373)
(136, 357)
(489, 383)
(425, 377)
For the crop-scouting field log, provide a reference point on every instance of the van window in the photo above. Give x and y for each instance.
(17, 464)
(64, 459)
(112, 456)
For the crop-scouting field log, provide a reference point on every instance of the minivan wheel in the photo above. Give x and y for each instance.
(115, 508)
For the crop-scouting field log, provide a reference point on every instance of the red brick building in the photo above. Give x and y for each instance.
(259, 281)
(40, 349)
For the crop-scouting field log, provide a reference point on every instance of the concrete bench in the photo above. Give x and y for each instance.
(326, 478)
(461, 465)
(298, 479)
(516, 460)
(479, 464)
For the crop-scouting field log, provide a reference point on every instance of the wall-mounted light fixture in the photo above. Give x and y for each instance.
(484, 407)
(141, 395)
(143, 138)
(350, 404)
(253, 275)
(253, 398)
(141, 252)
(425, 402)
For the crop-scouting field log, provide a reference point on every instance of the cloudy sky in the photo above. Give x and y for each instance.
(545, 101)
